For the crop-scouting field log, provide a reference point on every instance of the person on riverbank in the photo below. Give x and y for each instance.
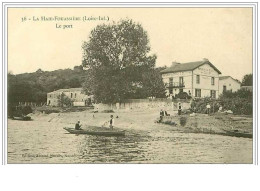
(208, 108)
(78, 125)
(220, 108)
(161, 115)
(111, 122)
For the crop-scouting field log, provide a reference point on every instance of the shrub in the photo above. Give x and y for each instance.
(26, 110)
(182, 95)
(242, 93)
(200, 105)
(231, 101)
(183, 121)
(240, 106)
(170, 123)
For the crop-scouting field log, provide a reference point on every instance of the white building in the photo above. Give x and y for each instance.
(227, 83)
(198, 79)
(76, 95)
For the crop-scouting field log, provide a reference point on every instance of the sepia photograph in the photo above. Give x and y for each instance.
(130, 85)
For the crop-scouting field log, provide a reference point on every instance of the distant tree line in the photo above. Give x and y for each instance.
(33, 87)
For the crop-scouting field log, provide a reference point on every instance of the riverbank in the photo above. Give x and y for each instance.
(43, 140)
(146, 120)
(218, 123)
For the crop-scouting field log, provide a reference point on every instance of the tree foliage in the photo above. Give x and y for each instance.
(240, 102)
(33, 87)
(247, 80)
(153, 85)
(64, 100)
(242, 93)
(117, 56)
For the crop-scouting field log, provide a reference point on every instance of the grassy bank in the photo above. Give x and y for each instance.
(217, 123)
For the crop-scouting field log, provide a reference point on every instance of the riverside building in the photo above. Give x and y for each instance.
(198, 79)
(76, 95)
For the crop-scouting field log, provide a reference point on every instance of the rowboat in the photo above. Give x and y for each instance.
(22, 118)
(96, 131)
(236, 133)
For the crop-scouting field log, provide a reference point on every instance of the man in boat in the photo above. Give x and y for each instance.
(77, 125)
(111, 122)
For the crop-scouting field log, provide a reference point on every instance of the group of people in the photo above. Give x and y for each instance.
(111, 123)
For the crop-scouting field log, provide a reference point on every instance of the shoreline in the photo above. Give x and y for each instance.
(219, 124)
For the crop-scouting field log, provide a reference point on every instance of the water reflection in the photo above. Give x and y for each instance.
(46, 142)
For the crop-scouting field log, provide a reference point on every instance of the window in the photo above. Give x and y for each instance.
(197, 79)
(224, 88)
(197, 92)
(181, 81)
(212, 93)
(50, 95)
(71, 95)
(170, 81)
(212, 81)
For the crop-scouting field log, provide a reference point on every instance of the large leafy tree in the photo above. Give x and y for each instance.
(117, 55)
(247, 80)
(153, 85)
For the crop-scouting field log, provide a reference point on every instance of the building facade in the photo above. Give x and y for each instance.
(198, 79)
(227, 83)
(76, 95)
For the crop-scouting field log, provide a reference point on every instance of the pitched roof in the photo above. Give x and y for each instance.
(223, 77)
(226, 77)
(67, 90)
(190, 66)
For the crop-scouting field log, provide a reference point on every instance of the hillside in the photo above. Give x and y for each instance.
(33, 87)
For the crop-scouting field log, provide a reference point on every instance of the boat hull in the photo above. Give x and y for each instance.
(92, 132)
(26, 118)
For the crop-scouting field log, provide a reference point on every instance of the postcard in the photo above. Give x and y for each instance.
(130, 85)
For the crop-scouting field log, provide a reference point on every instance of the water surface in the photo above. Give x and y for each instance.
(48, 142)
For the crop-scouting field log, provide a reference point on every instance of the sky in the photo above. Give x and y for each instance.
(222, 35)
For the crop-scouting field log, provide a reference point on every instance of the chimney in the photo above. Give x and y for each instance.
(205, 59)
(174, 64)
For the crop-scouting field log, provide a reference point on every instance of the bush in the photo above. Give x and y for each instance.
(240, 103)
(183, 121)
(26, 110)
(239, 106)
(242, 93)
(183, 95)
(200, 105)
(170, 123)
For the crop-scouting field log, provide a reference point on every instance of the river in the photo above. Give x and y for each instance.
(48, 142)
